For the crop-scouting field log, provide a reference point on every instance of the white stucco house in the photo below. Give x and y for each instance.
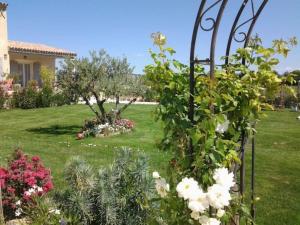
(25, 59)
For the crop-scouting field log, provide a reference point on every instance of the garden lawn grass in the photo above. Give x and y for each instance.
(50, 133)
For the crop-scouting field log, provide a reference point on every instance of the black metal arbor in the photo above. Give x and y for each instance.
(240, 36)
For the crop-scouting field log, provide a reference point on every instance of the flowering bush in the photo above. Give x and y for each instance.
(43, 211)
(23, 178)
(2, 98)
(7, 85)
(96, 129)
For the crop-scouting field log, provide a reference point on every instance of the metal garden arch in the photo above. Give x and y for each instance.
(236, 35)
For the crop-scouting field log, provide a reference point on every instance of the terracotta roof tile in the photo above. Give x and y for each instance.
(25, 47)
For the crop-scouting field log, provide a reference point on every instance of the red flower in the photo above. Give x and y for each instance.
(22, 174)
(31, 181)
(35, 159)
(48, 186)
(3, 176)
(10, 189)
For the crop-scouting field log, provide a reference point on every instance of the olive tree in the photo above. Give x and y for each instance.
(100, 76)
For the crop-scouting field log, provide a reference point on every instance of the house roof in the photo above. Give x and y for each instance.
(33, 48)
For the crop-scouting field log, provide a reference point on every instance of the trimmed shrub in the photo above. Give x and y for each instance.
(26, 98)
(44, 98)
(60, 99)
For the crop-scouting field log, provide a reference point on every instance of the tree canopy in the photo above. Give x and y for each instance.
(100, 76)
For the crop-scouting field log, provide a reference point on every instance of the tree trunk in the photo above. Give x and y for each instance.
(117, 101)
(125, 107)
(87, 102)
(100, 105)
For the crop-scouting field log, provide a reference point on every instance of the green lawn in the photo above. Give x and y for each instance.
(50, 133)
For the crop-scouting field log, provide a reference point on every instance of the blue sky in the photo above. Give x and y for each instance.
(123, 28)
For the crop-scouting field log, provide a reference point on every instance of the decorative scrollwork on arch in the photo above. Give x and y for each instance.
(212, 20)
(236, 33)
(243, 35)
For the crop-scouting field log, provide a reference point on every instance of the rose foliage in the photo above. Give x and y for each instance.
(225, 107)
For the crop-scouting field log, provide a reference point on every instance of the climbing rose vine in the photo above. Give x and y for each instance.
(226, 109)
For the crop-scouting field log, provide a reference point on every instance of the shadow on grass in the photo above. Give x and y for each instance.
(56, 130)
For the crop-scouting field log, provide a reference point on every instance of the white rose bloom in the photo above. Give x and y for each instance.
(223, 127)
(218, 196)
(195, 215)
(214, 221)
(162, 187)
(198, 201)
(186, 188)
(155, 175)
(57, 212)
(224, 178)
(220, 213)
(203, 220)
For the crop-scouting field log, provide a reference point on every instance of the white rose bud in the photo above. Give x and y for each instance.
(220, 213)
(159, 38)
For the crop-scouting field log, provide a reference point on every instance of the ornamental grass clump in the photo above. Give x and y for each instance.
(23, 179)
(113, 195)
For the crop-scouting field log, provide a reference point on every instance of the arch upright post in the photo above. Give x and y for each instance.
(244, 38)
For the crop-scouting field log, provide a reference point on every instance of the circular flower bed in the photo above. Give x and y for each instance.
(96, 129)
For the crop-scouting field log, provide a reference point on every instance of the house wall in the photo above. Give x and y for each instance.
(4, 56)
(33, 59)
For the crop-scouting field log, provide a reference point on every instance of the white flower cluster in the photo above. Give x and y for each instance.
(33, 190)
(18, 212)
(101, 129)
(54, 211)
(162, 187)
(199, 201)
(217, 196)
